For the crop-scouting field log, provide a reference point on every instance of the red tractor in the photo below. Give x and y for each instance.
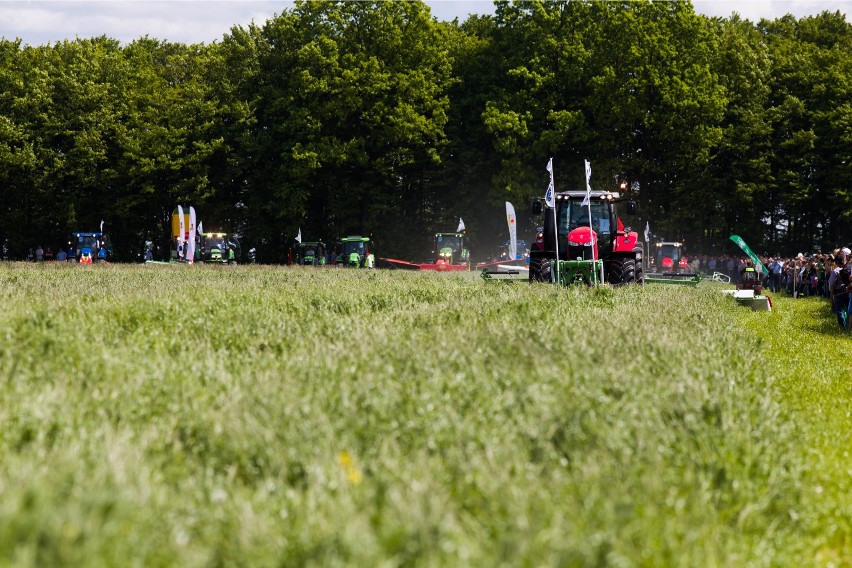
(669, 258)
(605, 252)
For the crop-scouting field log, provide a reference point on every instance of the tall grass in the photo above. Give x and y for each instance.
(260, 416)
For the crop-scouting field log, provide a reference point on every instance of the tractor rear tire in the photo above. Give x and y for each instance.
(639, 268)
(621, 271)
(540, 270)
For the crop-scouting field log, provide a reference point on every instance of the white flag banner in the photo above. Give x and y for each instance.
(299, 236)
(513, 232)
(102, 225)
(181, 230)
(201, 228)
(190, 248)
(588, 184)
(549, 199)
(461, 226)
(647, 231)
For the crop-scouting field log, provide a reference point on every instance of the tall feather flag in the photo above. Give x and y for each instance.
(190, 248)
(588, 184)
(299, 236)
(549, 198)
(181, 233)
(102, 225)
(201, 228)
(550, 201)
(647, 231)
(513, 231)
(461, 226)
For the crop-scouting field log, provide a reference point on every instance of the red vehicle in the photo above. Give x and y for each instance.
(582, 247)
(669, 258)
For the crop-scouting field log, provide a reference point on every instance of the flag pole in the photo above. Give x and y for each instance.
(588, 202)
(555, 226)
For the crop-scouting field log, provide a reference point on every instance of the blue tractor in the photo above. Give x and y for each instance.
(89, 247)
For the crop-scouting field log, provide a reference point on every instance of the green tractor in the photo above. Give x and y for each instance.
(355, 252)
(311, 254)
(451, 251)
(220, 248)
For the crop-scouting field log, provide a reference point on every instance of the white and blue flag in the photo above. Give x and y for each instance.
(548, 195)
(588, 184)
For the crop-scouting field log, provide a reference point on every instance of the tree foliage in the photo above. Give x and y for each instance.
(375, 118)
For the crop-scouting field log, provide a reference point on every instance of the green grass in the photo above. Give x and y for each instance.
(261, 416)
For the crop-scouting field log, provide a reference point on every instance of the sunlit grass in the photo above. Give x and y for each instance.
(173, 415)
(810, 359)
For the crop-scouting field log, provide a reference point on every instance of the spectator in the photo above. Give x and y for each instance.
(838, 285)
(60, 256)
(31, 255)
(39, 254)
(775, 268)
(48, 254)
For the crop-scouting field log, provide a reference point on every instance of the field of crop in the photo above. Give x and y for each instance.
(274, 416)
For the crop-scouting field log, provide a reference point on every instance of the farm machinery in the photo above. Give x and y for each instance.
(355, 252)
(88, 247)
(569, 251)
(220, 247)
(669, 258)
(311, 254)
(671, 266)
(450, 254)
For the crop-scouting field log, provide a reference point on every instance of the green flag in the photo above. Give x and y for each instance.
(757, 264)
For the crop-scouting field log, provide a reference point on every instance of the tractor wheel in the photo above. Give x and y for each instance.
(621, 271)
(540, 270)
(640, 270)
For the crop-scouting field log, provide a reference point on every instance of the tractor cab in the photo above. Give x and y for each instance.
(87, 247)
(451, 250)
(220, 247)
(355, 252)
(669, 258)
(311, 254)
(522, 252)
(750, 280)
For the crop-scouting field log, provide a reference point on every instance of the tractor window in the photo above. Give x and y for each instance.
(573, 215)
(667, 251)
(354, 246)
(448, 241)
(87, 242)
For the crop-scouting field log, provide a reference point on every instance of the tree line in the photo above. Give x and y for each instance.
(374, 118)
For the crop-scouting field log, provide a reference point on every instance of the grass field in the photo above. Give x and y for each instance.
(271, 416)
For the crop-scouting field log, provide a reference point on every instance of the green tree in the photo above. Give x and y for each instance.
(810, 104)
(626, 85)
(352, 110)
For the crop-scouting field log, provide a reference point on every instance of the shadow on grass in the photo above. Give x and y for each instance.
(822, 318)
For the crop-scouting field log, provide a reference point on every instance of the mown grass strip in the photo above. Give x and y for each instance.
(809, 359)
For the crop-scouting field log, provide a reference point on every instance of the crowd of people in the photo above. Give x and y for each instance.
(39, 254)
(818, 274)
